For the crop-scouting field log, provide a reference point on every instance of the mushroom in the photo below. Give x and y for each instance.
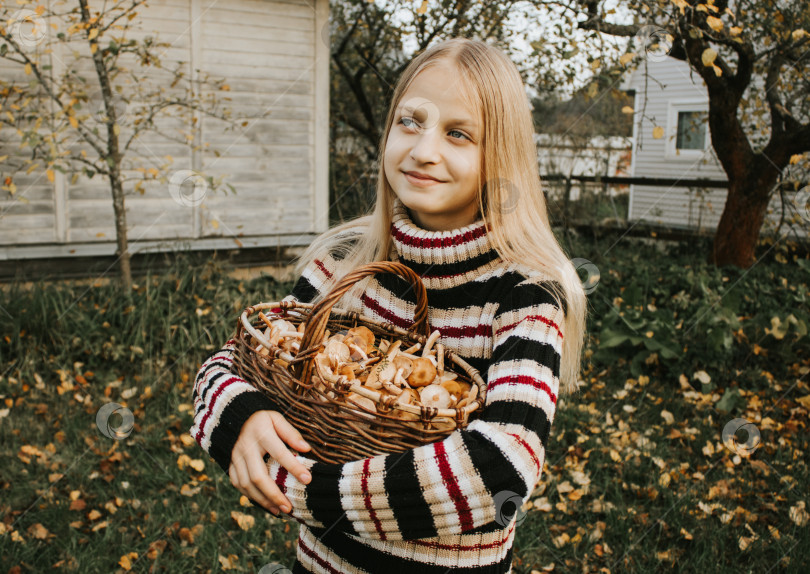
(403, 365)
(362, 401)
(435, 396)
(362, 337)
(337, 352)
(346, 371)
(429, 343)
(423, 373)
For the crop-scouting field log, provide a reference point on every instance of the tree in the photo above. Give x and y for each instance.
(754, 57)
(87, 91)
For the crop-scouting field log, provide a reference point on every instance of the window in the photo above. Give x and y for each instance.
(691, 130)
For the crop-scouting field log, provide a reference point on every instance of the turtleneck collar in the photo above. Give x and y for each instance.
(442, 258)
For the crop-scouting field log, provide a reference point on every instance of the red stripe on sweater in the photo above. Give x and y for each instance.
(437, 242)
(323, 269)
(312, 554)
(213, 401)
(531, 318)
(466, 331)
(449, 479)
(385, 313)
(523, 380)
(367, 499)
(465, 547)
(281, 479)
(525, 445)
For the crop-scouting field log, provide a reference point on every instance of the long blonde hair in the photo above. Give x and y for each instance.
(511, 202)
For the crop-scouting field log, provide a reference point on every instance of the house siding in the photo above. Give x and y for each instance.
(272, 55)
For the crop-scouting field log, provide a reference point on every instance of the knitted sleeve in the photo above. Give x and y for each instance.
(222, 400)
(457, 484)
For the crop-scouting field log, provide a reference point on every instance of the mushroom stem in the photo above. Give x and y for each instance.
(429, 343)
(440, 359)
(413, 349)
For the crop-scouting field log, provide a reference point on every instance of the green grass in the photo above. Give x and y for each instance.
(67, 348)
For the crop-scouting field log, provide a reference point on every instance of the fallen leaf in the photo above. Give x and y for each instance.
(245, 521)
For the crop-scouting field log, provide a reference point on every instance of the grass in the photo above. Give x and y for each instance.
(626, 488)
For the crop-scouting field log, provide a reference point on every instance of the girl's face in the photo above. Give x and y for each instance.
(435, 135)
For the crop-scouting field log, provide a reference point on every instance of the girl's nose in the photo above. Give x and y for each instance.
(425, 148)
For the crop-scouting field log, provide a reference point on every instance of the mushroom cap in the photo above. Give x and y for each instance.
(423, 373)
(404, 363)
(337, 352)
(435, 396)
(346, 371)
(364, 334)
(363, 402)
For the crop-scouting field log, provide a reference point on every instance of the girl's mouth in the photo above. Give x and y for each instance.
(420, 181)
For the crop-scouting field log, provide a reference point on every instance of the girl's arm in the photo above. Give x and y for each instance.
(454, 485)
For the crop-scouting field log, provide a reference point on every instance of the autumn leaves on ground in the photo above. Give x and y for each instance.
(637, 479)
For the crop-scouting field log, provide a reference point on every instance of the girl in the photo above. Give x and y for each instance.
(459, 201)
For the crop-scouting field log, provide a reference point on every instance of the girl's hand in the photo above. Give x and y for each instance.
(263, 433)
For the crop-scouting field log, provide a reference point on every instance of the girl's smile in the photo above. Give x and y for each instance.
(432, 155)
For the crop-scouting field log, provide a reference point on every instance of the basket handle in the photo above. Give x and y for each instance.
(318, 319)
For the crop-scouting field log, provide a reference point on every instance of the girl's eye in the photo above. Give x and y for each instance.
(410, 123)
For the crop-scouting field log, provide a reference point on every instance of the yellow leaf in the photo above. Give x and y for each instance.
(215, 224)
(50, 175)
(74, 123)
(794, 159)
(735, 31)
(627, 110)
(38, 531)
(714, 23)
(245, 521)
(117, 129)
(708, 56)
(423, 8)
(799, 34)
(197, 464)
(658, 132)
(93, 48)
(626, 58)
(28, 69)
(126, 560)
(91, 35)
(717, 70)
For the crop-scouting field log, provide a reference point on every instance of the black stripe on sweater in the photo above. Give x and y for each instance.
(361, 556)
(323, 497)
(411, 512)
(495, 469)
(518, 412)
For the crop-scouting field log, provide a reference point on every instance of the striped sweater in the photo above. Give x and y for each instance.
(443, 507)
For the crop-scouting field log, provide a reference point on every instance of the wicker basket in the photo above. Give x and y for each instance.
(335, 430)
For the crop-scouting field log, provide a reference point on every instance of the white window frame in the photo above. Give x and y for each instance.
(674, 107)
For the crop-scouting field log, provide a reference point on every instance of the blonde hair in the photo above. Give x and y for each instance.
(511, 202)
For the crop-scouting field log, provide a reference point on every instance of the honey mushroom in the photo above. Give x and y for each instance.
(435, 396)
(414, 380)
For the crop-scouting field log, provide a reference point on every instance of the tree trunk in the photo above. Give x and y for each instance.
(122, 250)
(738, 231)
